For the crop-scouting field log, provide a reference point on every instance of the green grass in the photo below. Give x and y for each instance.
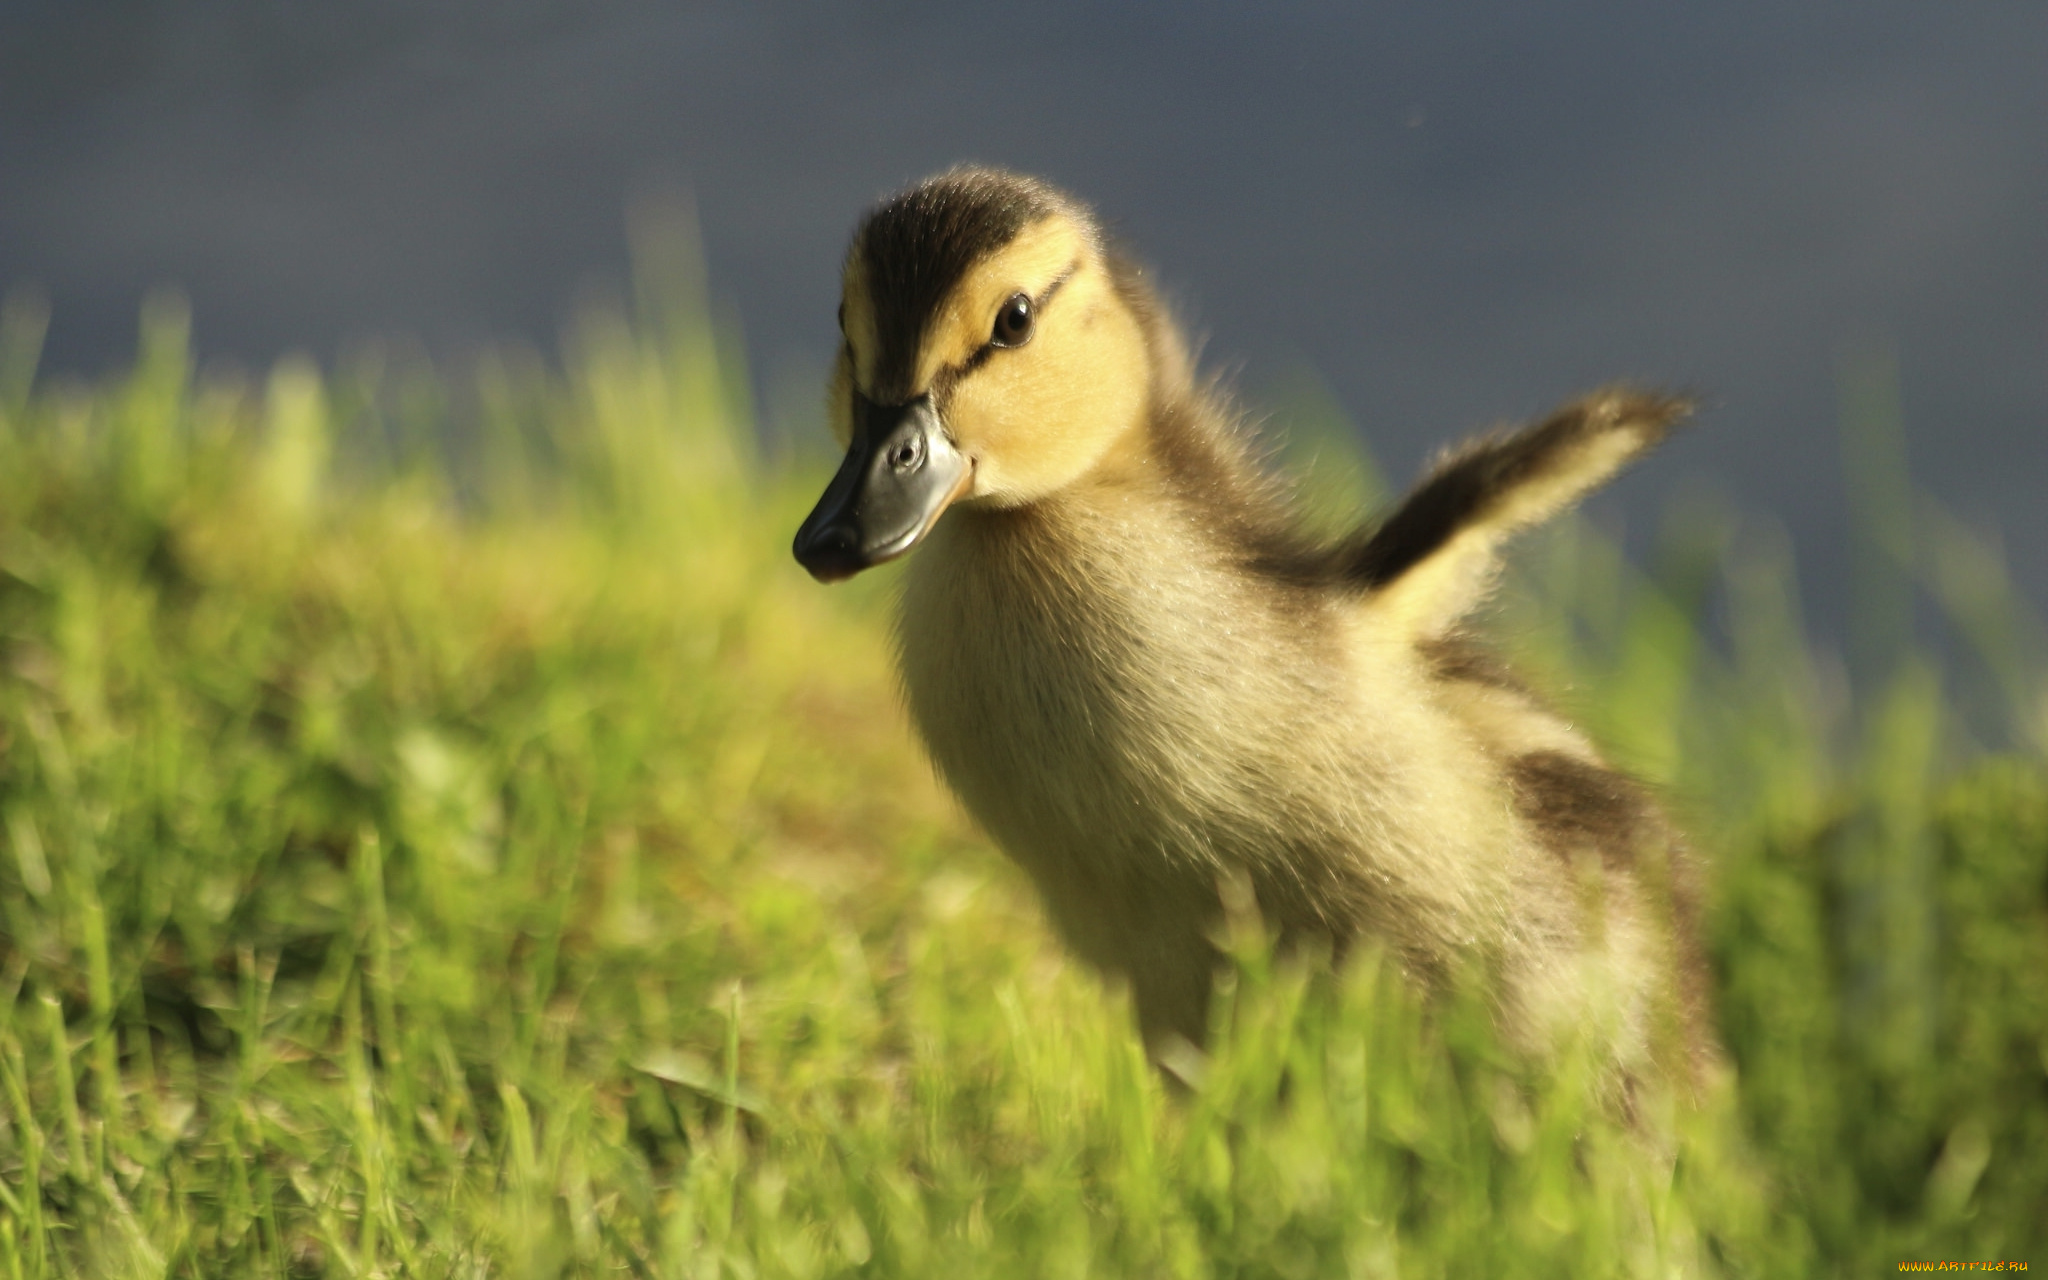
(496, 858)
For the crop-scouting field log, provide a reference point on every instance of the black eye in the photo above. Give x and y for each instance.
(1013, 322)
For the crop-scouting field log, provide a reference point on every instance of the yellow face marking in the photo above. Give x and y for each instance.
(839, 399)
(1030, 418)
(857, 323)
(1038, 417)
(1039, 255)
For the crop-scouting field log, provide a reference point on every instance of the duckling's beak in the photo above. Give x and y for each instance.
(898, 476)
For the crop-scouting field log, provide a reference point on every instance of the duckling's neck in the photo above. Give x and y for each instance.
(1103, 623)
(1156, 536)
(1130, 466)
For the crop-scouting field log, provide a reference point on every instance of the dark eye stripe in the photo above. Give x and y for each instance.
(1038, 305)
(973, 362)
(1045, 298)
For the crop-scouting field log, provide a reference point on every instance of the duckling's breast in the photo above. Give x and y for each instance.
(1129, 714)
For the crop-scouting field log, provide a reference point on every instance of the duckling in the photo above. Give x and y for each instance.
(1148, 684)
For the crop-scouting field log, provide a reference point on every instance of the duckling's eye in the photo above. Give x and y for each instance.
(1013, 322)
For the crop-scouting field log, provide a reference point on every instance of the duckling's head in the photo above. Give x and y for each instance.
(990, 356)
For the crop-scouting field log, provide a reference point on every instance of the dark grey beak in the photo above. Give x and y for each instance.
(899, 475)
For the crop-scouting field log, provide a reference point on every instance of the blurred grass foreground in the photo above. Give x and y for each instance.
(445, 835)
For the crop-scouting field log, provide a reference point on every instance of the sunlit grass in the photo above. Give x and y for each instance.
(447, 835)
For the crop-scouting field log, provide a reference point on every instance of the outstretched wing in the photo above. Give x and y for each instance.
(1435, 558)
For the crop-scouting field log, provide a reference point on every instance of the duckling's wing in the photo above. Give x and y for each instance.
(1434, 559)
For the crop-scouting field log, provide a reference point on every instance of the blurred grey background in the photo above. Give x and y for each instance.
(1447, 213)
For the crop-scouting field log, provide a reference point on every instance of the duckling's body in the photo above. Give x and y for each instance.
(1144, 682)
(1155, 731)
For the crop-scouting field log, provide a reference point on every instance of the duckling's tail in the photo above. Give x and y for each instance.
(1434, 559)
